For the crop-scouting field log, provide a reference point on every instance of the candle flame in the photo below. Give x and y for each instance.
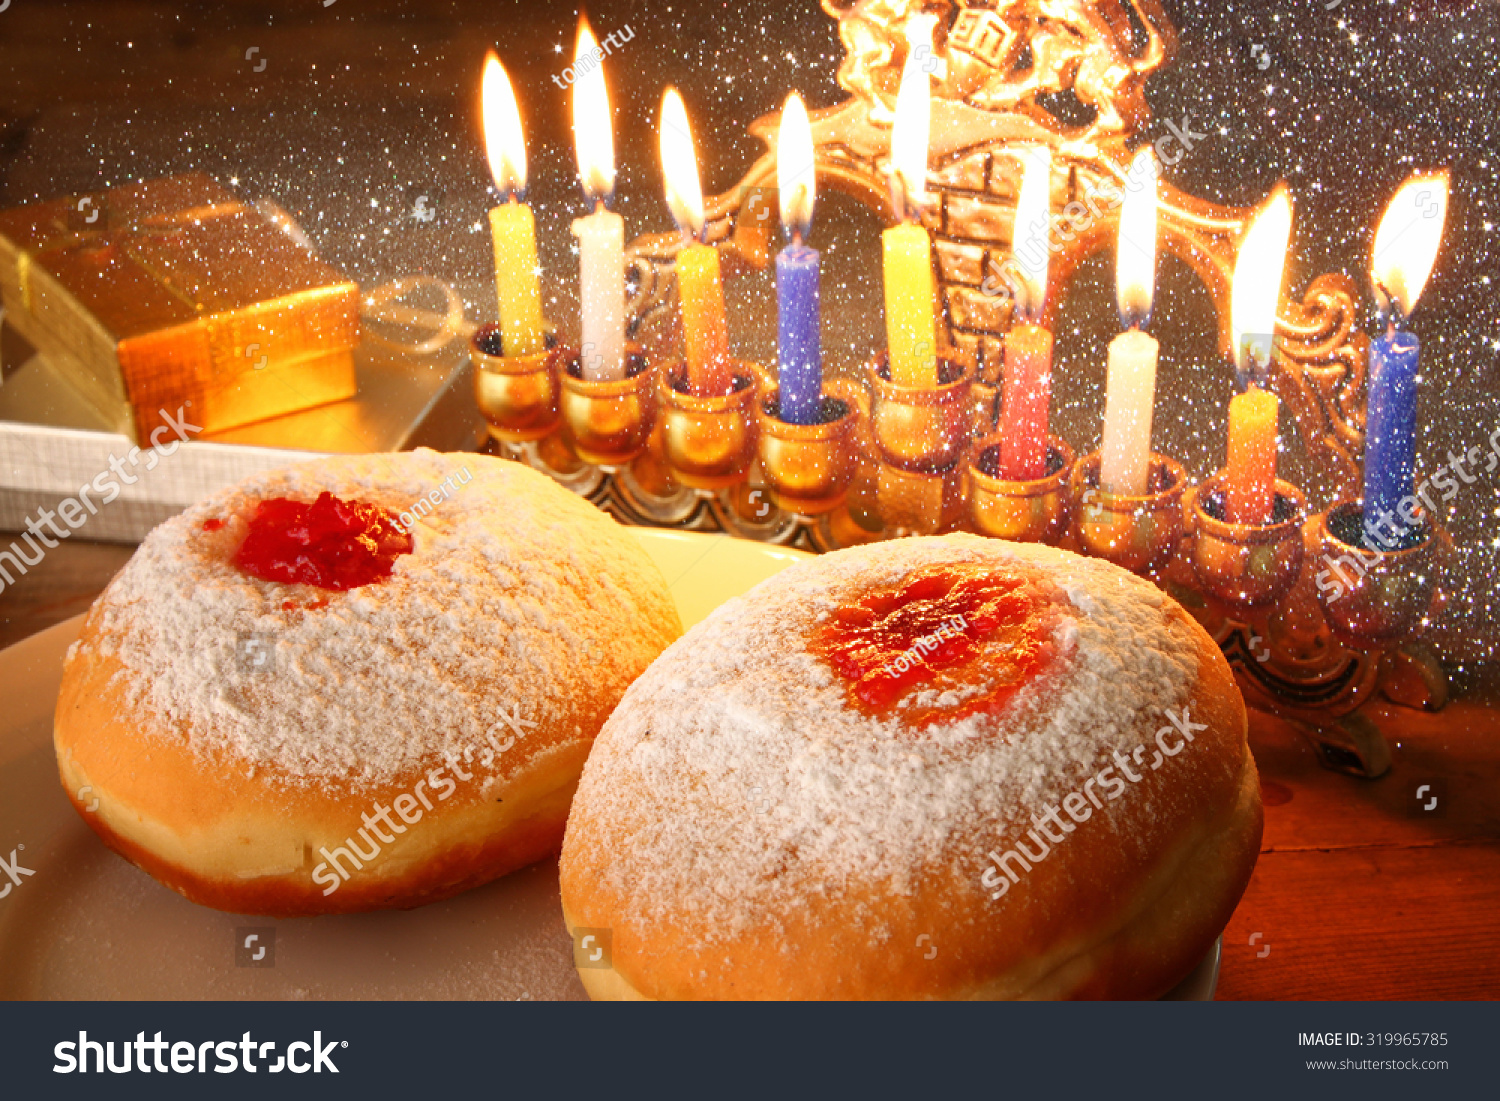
(503, 143)
(1406, 244)
(796, 178)
(1259, 269)
(909, 138)
(1135, 252)
(1033, 213)
(593, 136)
(679, 165)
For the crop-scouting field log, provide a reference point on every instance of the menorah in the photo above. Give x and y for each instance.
(892, 460)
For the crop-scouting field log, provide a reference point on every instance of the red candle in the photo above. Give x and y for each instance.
(1028, 392)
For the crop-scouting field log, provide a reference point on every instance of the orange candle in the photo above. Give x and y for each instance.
(1250, 484)
(1259, 267)
(700, 289)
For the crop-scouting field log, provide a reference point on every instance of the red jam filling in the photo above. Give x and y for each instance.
(956, 627)
(213, 524)
(331, 543)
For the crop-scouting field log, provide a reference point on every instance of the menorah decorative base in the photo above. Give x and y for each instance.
(1285, 657)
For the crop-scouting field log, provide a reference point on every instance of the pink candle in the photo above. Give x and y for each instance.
(1028, 391)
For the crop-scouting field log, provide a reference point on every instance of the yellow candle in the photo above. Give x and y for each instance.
(514, 231)
(910, 324)
(1250, 486)
(700, 289)
(910, 321)
(704, 329)
(511, 223)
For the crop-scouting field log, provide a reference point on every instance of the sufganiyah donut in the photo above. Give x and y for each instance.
(355, 683)
(926, 768)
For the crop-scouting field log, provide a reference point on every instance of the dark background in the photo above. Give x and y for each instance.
(363, 105)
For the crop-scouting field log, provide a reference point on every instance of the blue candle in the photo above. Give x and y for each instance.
(1405, 250)
(801, 361)
(797, 345)
(1390, 435)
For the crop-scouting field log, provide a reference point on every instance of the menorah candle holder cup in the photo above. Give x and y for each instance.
(609, 422)
(1375, 599)
(516, 394)
(1138, 533)
(808, 467)
(923, 429)
(1247, 566)
(1032, 511)
(708, 442)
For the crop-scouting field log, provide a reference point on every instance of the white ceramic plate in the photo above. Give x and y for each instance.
(87, 925)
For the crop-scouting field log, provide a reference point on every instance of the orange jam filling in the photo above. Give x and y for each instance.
(981, 631)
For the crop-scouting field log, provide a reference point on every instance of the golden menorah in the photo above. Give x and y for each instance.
(645, 452)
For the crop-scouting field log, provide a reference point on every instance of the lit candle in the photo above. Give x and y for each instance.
(1028, 346)
(801, 361)
(1255, 296)
(601, 235)
(512, 226)
(1125, 465)
(1250, 489)
(910, 322)
(1406, 247)
(700, 288)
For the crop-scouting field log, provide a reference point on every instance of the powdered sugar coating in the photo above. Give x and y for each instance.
(516, 593)
(760, 784)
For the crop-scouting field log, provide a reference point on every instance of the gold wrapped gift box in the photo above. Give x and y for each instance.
(172, 293)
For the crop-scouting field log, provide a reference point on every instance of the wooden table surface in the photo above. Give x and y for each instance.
(1360, 893)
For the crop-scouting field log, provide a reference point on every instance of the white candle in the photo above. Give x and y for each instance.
(601, 293)
(601, 235)
(1125, 465)
(1125, 462)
